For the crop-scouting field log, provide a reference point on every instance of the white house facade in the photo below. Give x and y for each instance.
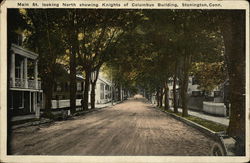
(103, 90)
(25, 94)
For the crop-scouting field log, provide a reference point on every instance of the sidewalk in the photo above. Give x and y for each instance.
(99, 106)
(32, 116)
(220, 120)
(217, 119)
(23, 117)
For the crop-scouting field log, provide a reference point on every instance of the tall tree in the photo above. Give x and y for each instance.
(233, 29)
(44, 38)
(231, 24)
(73, 38)
(93, 80)
(99, 33)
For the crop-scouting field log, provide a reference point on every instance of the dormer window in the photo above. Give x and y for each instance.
(18, 39)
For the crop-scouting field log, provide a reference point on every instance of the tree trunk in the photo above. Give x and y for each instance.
(73, 81)
(119, 94)
(158, 97)
(166, 99)
(174, 90)
(92, 100)
(184, 85)
(48, 96)
(73, 52)
(161, 97)
(50, 76)
(93, 81)
(233, 30)
(86, 90)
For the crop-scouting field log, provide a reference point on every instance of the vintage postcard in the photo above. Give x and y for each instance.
(124, 81)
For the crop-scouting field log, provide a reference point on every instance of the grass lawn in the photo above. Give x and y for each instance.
(208, 124)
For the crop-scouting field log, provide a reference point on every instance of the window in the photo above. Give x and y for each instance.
(66, 86)
(55, 87)
(217, 93)
(18, 66)
(190, 81)
(18, 39)
(18, 72)
(58, 87)
(79, 86)
(170, 82)
(20, 100)
(102, 87)
(194, 81)
(102, 91)
(106, 87)
(196, 93)
(102, 95)
(62, 87)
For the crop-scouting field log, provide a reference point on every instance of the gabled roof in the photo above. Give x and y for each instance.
(80, 77)
(103, 79)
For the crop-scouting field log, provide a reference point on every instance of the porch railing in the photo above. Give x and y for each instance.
(39, 84)
(31, 84)
(20, 83)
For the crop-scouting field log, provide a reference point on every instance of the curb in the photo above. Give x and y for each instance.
(214, 135)
(39, 122)
(96, 109)
(34, 123)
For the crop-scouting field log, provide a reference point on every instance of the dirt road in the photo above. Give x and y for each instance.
(130, 128)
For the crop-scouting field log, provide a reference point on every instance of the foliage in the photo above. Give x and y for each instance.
(145, 48)
(146, 56)
(208, 75)
(44, 37)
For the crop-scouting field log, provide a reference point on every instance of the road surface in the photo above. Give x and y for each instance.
(133, 127)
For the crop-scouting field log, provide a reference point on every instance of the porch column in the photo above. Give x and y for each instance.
(36, 73)
(12, 70)
(104, 92)
(25, 73)
(34, 102)
(21, 73)
(30, 102)
(37, 107)
(41, 101)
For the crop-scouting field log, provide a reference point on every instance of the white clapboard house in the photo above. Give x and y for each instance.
(25, 93)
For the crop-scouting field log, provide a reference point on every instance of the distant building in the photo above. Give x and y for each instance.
(61, 89)
(103, 90)
(193, 87)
